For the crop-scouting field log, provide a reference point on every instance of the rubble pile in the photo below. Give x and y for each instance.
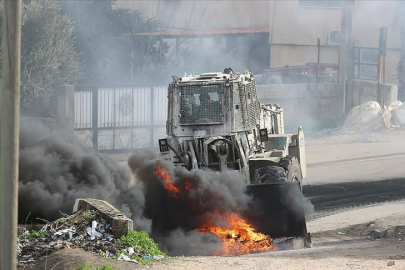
(84, 229)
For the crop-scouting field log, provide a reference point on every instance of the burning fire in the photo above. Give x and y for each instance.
(163, 174)
(238, 237)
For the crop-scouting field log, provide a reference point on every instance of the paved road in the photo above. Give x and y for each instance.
(368, 168)
(355, 194)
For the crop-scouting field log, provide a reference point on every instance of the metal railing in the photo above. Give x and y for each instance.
(117, 119)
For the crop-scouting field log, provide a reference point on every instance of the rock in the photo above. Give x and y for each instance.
(390, 232)
(391, 263)
(120, 224)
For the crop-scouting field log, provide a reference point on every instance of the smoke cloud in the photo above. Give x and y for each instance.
(204, 195)
(55, 170)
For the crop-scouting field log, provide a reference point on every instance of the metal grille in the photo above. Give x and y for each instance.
(120, 118)
(201, 104)
(254, 105)
(250, 105)
(243, 108)
(237, 105)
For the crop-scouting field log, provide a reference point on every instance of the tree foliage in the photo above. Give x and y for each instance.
(109, 45)
(48, 56)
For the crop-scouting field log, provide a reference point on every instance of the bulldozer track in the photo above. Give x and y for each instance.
(342, 197)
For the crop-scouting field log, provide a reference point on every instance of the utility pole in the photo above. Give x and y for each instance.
(9, 133)
(318, 44)
(343, 53)
(381, 65)
(349, 60)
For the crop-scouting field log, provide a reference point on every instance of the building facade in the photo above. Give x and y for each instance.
(295, 26)
(211, 35)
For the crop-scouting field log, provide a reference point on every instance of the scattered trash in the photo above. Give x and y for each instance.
(341, 233)
(92, 231)
(391, 263)
(85, 230)
(124, 257)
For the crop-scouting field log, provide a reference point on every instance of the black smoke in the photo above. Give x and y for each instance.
(54, 170)
(176, 219)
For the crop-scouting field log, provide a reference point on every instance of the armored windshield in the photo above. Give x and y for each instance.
(200, 104)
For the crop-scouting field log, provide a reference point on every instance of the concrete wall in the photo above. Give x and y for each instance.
(364, 91)
(294, 30)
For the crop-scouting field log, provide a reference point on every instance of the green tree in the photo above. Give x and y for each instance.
(109, 44)
(96, 40)
(145, 55)
(48, 56)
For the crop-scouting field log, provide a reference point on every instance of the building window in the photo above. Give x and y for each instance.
(321, 3)
(365, 63)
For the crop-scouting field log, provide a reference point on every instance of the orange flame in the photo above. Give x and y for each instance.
(240, 238)
(164, 175)
(187, 185)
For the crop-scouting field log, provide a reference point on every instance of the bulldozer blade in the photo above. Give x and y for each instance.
(278, 210)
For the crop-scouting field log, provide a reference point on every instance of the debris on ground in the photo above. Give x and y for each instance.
(86, 230)
(120, 224)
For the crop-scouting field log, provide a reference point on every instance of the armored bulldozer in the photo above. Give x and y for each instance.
(216, 121)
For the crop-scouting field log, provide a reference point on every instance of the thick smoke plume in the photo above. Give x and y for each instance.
(55, 170)
(203, 196)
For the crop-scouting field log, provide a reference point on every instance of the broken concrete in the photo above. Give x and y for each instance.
(120, 224)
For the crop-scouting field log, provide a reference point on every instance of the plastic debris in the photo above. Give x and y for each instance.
(73, 232)
(92, 231)
(158, 257)
(124, 257)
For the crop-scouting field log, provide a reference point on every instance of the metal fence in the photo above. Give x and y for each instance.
(119, 119)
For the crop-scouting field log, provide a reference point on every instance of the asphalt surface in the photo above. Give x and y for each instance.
(334, 197)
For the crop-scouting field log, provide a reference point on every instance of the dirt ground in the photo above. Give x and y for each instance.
(369, 237)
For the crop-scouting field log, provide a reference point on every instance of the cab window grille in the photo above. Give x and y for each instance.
(200, 104)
